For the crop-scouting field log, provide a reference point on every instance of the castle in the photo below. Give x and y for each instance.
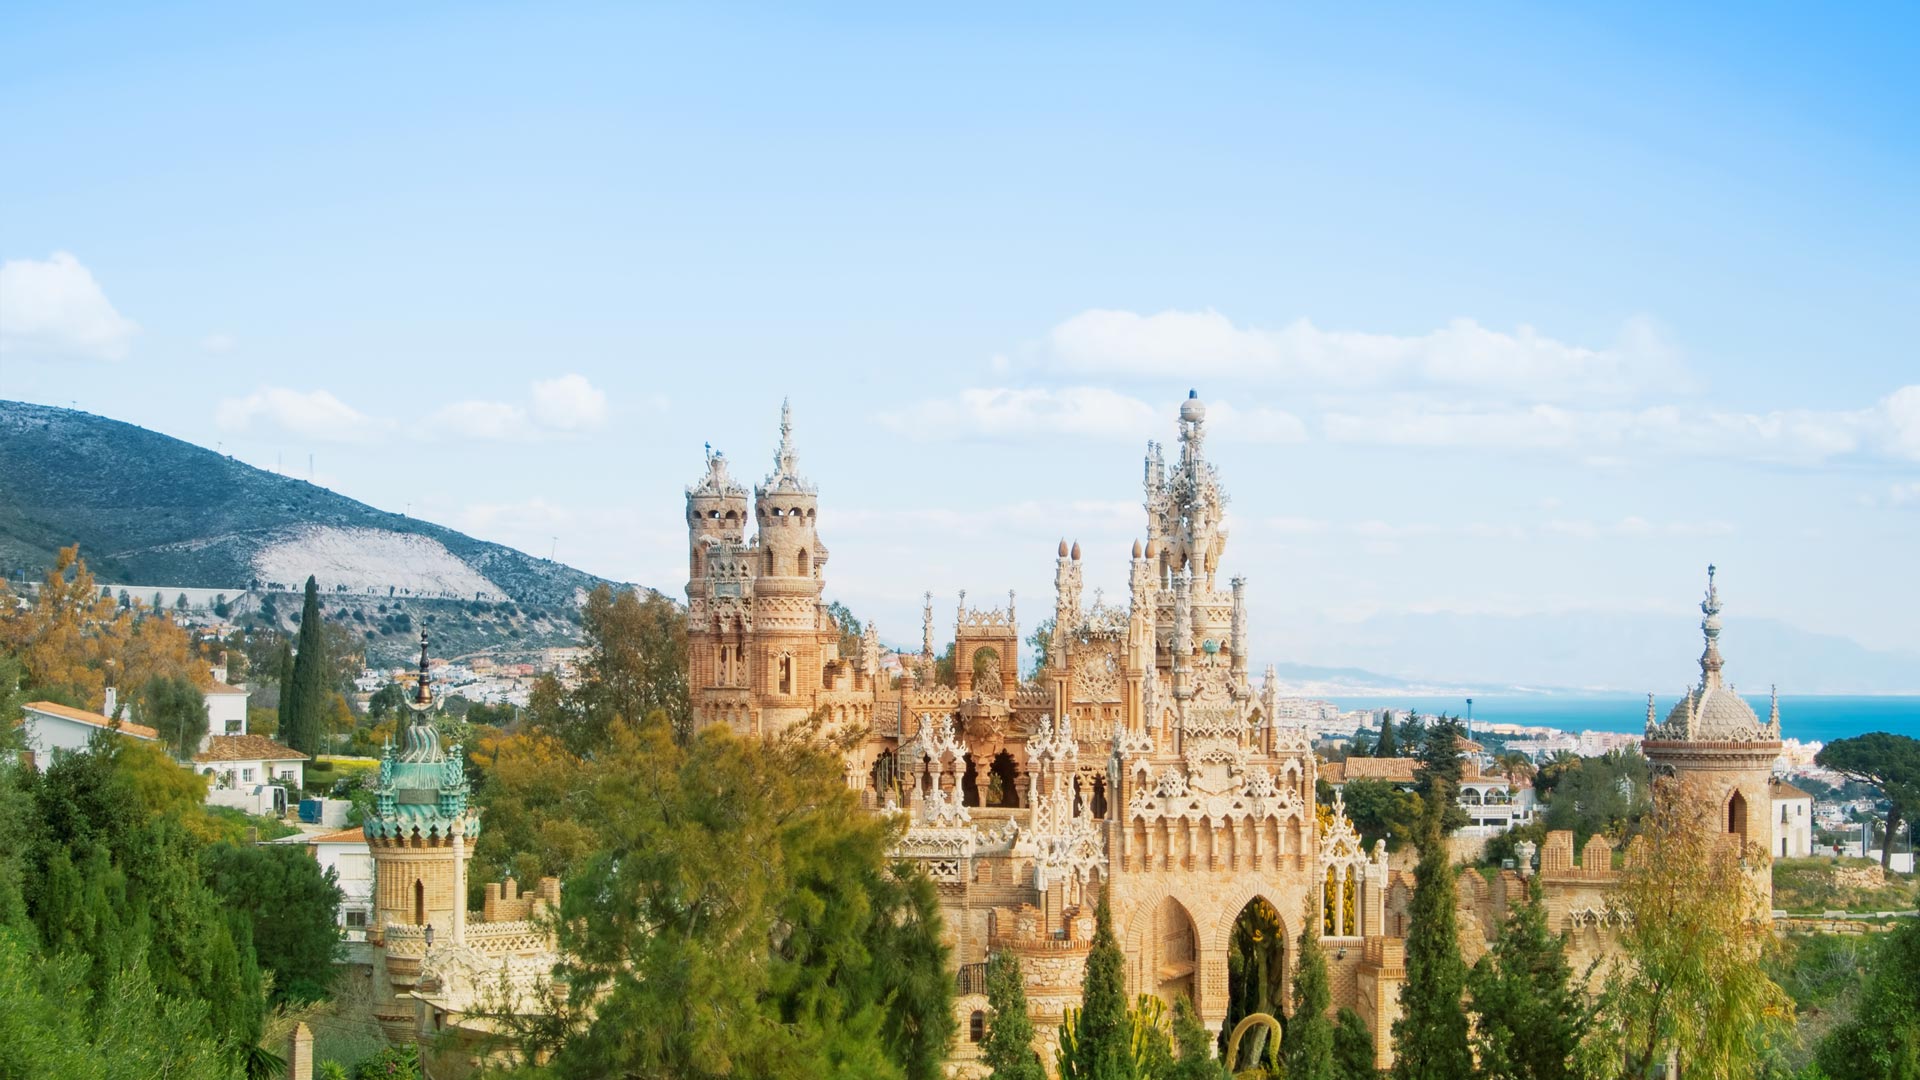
(1142, 760)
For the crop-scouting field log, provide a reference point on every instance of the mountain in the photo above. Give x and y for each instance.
(148, 509)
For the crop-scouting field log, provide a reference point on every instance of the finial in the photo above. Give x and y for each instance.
(1063, 547)
(1136, 549)
(1650, 719)
(422, 695)
(1076, 551)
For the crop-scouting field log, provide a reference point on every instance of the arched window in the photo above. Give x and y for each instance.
(801, 563)
(769, 562)
(1737, 815)
(786, 674)
(977, 1026)
(419, 902)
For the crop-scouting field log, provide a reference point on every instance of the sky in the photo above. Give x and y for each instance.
(1498, 311)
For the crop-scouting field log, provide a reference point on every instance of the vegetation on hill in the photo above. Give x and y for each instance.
(150, 508)
(1821, 884)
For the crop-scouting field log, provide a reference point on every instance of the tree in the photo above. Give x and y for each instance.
(852, 631)
(386, 701)
(1606, 794)
(1882, 1040)
(1256, 977)
(180, 603)
(741, 920)
(1890, 763)
(1688, 980)
(1008, 1047)
(1379, 810)
(1439, 773)
(176, 709)
(1353, 1056)
(1387, 746)
(1041, 641)
(1529, 1017)
(1514, 765)
(1307, 1049)
(1094, 1040)
(1430, 1037)
(303, 701)
(292, 908)
(636, 665)
(1195, 1045)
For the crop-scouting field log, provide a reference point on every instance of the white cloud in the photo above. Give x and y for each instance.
(1005, 412)
(1086, 411)
(1192, 344)
(480, 420)
(568, 403)
(1904, 494)
(56, 310)
(1802, 436)
(316, 414)
(218, 342)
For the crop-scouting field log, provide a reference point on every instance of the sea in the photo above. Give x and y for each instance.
(1809, 718)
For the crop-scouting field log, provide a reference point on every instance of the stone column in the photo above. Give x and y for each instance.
(300, 1053)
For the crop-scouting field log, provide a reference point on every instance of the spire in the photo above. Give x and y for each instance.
(926, 628)
(786, 464)
(1710, 662)
(1773, 712)
(1652, 721)
(423, 692)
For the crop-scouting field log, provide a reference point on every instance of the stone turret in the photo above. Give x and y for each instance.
(1714, 740)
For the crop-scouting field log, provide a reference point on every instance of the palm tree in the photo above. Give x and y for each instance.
(1515, 766)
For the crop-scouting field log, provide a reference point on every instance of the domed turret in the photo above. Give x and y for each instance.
(1193, 410)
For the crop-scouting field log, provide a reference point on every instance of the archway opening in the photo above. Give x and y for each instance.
(1256, 980)
(1737, 816)
(1003, 783)
(969, 783)
(419, 902)
(1177, 951)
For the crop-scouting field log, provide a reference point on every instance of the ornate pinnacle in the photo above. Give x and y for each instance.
(1710, 662)
(422, 694)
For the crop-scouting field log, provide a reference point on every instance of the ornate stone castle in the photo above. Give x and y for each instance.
(1143, 759)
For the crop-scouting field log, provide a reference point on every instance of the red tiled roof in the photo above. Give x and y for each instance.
(247, 748)
(1784, 790)
(138, 731)
(223, 688)
(354, 835)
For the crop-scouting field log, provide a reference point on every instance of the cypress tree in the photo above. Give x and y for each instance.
(1307, 1047)
(1008, 1047)
(1096, 1040)
(1387, 746)
(1352, 1047)
(303, 702)
(1430, 1038)
(1530, 1017)
(1195, 1044)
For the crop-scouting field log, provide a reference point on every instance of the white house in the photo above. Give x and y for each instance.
(51, 726)
(1792, 821)
(345, 852)
(242, 770)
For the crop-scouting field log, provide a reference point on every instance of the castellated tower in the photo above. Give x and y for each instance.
(759, 641)
(1713, 739)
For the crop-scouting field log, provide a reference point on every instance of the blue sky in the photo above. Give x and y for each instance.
(1501, 310)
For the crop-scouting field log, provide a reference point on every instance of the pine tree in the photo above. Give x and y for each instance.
(1440, 772)
(1430, 1038)
(1387, 746)
(1094, 1042)
(1008, 1047)
(303, 703)
(1352, 1047)
(1307, 1048)
(1530, 1018)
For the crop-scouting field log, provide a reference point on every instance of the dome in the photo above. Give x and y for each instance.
(1193, 410)
(1715, 714)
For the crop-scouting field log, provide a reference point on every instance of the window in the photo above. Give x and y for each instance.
(977, 1026)
(234, 726)
(356, 920)
(786, 674)
(246, 776)
(800, 563)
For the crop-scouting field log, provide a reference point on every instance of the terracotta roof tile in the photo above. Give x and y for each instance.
(247, 748)
(345, 836)
(138, 731)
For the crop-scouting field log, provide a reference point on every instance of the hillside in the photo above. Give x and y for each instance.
(148, 509)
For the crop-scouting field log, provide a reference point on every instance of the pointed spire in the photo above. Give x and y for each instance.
(926, 628)
(786, 463)
(423, 694)
(1773, 712)
(1710, 662)
(1652, 720)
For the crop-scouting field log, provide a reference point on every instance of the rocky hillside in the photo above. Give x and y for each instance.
(150, 510)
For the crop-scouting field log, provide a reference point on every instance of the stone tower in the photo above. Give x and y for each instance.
(719, 597)
(1713, 739)
(759, 642)
(421, 836)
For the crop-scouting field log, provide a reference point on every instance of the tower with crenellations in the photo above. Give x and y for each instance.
(763, 653)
